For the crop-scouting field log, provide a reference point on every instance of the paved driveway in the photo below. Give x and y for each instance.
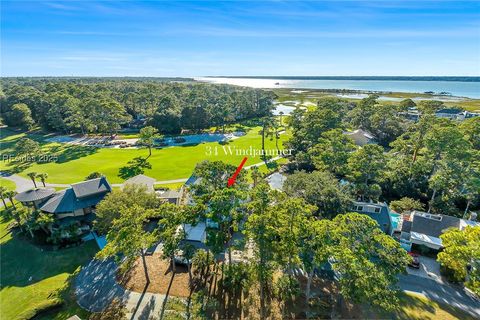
(96, 288)
(95, 285)
(446, 294)
(429, 268)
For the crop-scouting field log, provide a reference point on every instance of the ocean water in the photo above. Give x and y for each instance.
(469, 89)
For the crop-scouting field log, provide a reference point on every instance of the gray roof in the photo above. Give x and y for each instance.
(433, 224)
(382, 217)
(360, 137)
(34, 195)
(449, 111)
(66, 201)
(142, 180)
(91, 187)
(170, 194)
(406, 226)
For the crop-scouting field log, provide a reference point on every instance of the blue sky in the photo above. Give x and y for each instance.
(154, 38)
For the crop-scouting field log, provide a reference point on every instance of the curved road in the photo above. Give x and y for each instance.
(446, 294)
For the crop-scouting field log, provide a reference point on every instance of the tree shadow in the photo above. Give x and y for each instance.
(147, 310)
(134, 167)
(24, 263)
(15, 167)
(72, 152)
(166, 296)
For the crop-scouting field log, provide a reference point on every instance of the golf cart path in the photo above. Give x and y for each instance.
(96, 288)
(24, 184)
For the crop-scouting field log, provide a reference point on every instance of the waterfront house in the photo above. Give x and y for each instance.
(411, 114)
(449, 113)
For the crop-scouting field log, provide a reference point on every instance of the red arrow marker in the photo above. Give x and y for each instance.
(234, 177)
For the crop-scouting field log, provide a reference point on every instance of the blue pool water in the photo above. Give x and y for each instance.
(395, 219)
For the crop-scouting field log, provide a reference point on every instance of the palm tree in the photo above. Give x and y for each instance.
(32, 176)
(44, 221)
(266, 126)
(3, 192)
(10, 195)
(275, 126)
(43, 177)
(256, 175)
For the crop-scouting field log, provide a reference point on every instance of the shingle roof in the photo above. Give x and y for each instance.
(91, 187)
(406, 226)
(360, 137)
(449, 111)
(421, 223)
(170, 194)
(34, 195)
(66, 201)
(383, 217)
(142, 180)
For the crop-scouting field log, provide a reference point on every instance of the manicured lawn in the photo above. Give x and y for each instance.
(171, 186)
(417, 307)
(75, 162)
(30, 277)
(7, 184)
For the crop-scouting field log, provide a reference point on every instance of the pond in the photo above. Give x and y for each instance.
(107, 142)
(200, 138)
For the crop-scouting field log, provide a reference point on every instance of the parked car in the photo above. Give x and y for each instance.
(180, 259)
(415, 263)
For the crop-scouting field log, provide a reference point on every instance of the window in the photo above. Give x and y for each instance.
(377, 210)
(430, 216)
(360, 208)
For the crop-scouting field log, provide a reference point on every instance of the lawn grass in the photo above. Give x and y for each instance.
(418, 307)
(74, 163)
(7, 184)
(31, 277)
(170, 186)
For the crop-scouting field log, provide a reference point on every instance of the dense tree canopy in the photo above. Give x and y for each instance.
(112, 205)
(433, 160)
(462, 255)
(104, 106)
(367, 260)
(19, 115)
(320, 189)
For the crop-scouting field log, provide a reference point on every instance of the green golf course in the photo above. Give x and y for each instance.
(73, 162)
(32, 276)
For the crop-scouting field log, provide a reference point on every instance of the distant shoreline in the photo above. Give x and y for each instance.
(373, 78)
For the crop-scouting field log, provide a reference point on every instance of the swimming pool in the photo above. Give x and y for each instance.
(396, 218)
